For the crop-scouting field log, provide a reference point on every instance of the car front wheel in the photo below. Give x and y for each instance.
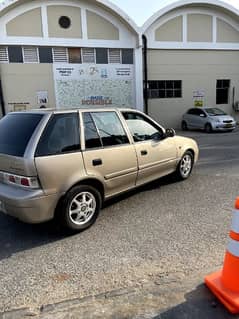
(185, 166)
(184, 126)
(208, 128)
(80, 207)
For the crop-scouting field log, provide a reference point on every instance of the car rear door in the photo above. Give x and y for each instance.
(108, 153)
(156, 154)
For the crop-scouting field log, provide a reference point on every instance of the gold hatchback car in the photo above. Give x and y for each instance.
(64, 164)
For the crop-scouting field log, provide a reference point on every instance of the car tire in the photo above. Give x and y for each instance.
(208, 128)
(185, 166)
(184, 126)
(80, 208)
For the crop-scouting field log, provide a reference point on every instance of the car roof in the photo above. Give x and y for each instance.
(59, 111)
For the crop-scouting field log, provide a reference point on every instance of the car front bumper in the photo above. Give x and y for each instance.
(223, 126)
(30, 206)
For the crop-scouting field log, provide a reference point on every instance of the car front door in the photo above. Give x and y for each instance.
(108, 153)
(156, 154)
(196, 118)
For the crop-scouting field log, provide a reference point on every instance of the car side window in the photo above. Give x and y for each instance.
(141, 128)
(192, 112)
(60, 136)
(110, 128)
(92, 138)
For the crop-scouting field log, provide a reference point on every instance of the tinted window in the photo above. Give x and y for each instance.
(110, 128)
(60, 136)
(15, 54)
(165, 89)
(127, 56)
(222, 91)
(192, 111)
(92, 138)
(101, 56)
(141, 128)
(16, 131)
(45, 55)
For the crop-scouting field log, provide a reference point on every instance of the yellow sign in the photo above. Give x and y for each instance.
(198, 103)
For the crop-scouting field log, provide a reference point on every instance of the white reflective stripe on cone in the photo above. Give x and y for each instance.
(235, 221)
(233, 247)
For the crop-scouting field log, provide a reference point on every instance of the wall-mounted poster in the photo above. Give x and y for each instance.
(42, 97)
(82, 85)
(198, 98)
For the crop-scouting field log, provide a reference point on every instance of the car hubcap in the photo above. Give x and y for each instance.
(186, 165)
(82, 208)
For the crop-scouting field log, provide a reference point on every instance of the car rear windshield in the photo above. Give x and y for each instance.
(16, 131)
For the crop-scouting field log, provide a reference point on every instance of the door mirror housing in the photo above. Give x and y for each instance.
(170, 132)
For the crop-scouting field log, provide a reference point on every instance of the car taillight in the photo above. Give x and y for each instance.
(26, 182)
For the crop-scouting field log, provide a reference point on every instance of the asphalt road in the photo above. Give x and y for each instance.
(164, 229)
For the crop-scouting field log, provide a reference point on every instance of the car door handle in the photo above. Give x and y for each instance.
(144, 152)
(97, 162)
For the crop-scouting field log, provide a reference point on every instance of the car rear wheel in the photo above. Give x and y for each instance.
(185, 166)
(80, 207)
(208, 128)
(184, 126)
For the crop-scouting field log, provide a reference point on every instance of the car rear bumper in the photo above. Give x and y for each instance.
(30, 206)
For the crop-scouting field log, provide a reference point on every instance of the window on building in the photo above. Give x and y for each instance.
(3, 54)
(88, 55)
(165, 89)
(45, 54)
(15, 54)
(222, 91)
(114, 56)
(30, 55)
(64, 22)
(101, 56)
(127, 56)
(74, 55)
(60, 55)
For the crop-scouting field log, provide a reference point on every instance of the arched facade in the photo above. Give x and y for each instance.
(73, 53)
(192, 59)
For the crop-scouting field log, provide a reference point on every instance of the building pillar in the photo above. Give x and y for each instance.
(138, 62)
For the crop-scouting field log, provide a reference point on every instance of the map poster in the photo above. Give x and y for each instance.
(81, 85)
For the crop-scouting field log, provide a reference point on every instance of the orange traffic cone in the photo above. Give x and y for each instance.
(225, 283)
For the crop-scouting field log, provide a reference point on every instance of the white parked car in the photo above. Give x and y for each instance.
(208, 119)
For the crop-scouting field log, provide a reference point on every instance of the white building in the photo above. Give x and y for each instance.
(61, 53)
(192, 58)
(64, 53)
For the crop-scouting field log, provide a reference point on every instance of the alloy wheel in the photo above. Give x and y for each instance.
(82, 208)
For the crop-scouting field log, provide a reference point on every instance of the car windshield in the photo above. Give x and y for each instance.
(214, 111)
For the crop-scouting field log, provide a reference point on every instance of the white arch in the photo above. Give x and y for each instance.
(103, 3)
(180, 3)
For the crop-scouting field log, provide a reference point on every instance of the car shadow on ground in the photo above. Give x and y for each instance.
(16, 236)
(200, 303)
(156, 184)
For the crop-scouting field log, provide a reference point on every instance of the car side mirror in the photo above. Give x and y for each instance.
(202, 115)
(170, 132)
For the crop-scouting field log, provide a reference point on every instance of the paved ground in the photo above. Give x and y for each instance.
(151, 249)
